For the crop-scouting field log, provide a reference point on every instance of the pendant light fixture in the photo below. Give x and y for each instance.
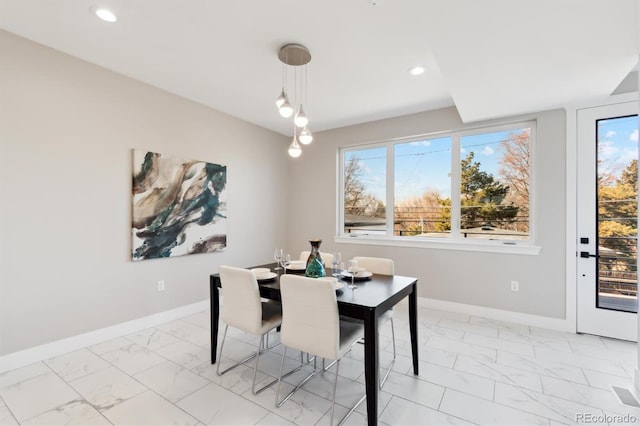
(295, 56)
(305, 137)
(284, 107)
(300, 119)
(294, 149)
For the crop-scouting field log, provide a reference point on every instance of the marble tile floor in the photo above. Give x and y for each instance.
(472, 371)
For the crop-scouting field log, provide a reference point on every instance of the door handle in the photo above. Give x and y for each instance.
(586, 254)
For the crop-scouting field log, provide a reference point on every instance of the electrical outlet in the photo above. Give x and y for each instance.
(161, 285)
(515, 286)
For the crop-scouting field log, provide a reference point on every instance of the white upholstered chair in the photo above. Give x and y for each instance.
(311, 324)
(327, 258)
(243, 309)
(381, 266)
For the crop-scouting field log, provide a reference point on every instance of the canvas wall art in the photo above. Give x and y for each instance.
(179, 206)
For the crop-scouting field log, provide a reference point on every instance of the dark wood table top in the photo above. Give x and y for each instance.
(379, 292)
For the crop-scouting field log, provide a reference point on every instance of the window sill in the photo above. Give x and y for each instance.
(469, 245)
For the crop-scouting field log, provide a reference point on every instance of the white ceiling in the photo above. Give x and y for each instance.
(489, 58)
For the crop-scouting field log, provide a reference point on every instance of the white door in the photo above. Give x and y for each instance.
(607, 221)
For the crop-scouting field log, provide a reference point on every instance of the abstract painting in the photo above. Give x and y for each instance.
(179, 206)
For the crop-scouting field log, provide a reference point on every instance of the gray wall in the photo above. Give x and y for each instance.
(481, 279)
(67, 130)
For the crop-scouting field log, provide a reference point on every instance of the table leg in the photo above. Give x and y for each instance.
(215, 314)
(413, 325)
(371, 368)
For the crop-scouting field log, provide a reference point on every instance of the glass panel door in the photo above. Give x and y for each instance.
(607, 200)
(617, 213)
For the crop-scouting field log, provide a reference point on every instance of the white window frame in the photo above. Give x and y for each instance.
(455, 241)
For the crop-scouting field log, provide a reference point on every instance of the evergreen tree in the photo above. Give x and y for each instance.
(443, 222)
(482, 197)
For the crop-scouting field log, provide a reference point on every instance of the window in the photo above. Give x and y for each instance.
(365, 191)
(459, 186)
(422, 178)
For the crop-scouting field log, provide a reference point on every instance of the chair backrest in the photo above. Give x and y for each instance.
(376, 265)
(241, 307)
(310, 321)
(327, 258)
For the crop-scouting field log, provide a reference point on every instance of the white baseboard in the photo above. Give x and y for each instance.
(39, 353)
(496, 314)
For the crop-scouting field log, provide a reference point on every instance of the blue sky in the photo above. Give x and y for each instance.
(618, 143)
(425, 165)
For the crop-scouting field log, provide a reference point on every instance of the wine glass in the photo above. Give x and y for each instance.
(277, 255)
(335, 263)
(353, 269)
(285, 261)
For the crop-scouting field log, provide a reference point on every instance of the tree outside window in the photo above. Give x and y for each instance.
(493, 198)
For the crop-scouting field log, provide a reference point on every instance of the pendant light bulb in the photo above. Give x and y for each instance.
(294, 149)
(305, 136)
(282, 99)
(301, 119)
(286, 110)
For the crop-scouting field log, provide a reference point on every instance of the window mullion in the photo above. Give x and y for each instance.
(390, 213)
(340, 219)
(455, 186)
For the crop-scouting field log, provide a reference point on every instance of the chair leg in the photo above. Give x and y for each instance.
(360, 401)
(279, 403)
(255, 367)
(333, 398)
(393, 342)
(224, 337)
(250, 357)
(298, 386)
(326, 368)
(255, 392)
(263, 345)
(284, 352)
(267, 344)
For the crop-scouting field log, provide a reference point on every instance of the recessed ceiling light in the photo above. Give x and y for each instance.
(105, 14)
(416, 70)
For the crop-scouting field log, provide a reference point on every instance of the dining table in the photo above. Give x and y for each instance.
(367, 302)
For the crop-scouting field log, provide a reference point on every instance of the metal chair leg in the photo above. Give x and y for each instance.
(333, 398)
(362, 398)
(309, 377)
(261, 348)
(220, 373)
(255, 392)
(267, 345)
(255, 368)
(326, 368)
(393, 341)
(298, 386)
